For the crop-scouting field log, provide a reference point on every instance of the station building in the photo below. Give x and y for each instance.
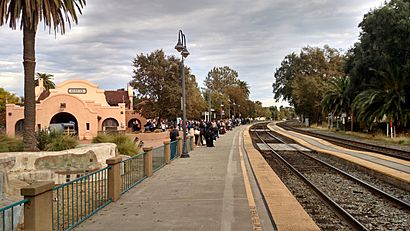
(82, 104)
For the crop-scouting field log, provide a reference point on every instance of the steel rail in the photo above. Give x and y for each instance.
(393, 152)
(392, 198)
(353, 222)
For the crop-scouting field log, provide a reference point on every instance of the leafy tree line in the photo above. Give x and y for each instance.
(369, 83)
(302, 79)
(157, 80)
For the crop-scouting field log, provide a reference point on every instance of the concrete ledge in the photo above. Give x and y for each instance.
(37, 188)
(286, 211)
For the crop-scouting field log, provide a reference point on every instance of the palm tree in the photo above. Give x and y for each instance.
(337, 99)
(29, 13)
(244, 87)
(47, 80)
(386, 100)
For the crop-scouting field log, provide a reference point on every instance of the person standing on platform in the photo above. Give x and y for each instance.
(174, 133)
(202, 126)
(196, 133)
(209, 136)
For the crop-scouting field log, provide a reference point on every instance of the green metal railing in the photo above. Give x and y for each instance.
(10, 215)
(77, 200)
(158, 158)
(173, 147)
(132, 172)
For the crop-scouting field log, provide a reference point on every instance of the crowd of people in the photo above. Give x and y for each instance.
(205, 132)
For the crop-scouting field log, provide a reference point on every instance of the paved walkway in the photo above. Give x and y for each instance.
(203, 192)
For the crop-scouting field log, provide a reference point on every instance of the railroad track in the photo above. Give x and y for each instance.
(361, 205)
(357, 145)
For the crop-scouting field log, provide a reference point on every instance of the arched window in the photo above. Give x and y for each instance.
(134, 125)
(65, 122)
(19, 128)
(110, 124)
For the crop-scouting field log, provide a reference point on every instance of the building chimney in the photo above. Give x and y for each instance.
(40, 88)
(40, 82)
(131, 97)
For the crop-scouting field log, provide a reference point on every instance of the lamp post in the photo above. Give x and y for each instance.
(181, 47)
(229, 109)
(234, 111)
(222, 111)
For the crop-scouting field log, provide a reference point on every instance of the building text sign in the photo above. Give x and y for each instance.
(77, 90)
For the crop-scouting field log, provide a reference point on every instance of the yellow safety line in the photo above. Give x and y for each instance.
(256, 224)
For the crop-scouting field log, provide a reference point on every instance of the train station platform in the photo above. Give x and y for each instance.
(214, 189)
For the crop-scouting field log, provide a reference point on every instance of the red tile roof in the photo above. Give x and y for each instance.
(43, 95)
(115, 97)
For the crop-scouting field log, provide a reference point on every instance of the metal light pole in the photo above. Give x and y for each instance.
(209, 105)
(222, 111)
(229, 109)
(234, 111)
(181, 47)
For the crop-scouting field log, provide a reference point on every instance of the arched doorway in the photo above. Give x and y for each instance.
(110, 124)
(134, 125)
(67, 121)
(19, 128)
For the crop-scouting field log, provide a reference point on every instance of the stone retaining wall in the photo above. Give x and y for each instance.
(21, 168)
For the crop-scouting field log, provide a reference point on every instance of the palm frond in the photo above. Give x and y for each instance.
(54, 13)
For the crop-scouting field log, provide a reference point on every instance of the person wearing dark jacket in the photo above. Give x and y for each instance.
(209, 136)
(173, 134)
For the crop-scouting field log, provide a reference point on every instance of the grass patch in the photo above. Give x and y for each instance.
(8, 144)
(399, 139)
(124, 144)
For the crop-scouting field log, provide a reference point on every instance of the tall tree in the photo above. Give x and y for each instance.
(376, 103)
(157, 78)
(47, 80)
(301, 79)
(54, 13)
(284, 75)
(226, 89)
(220, 77)
(384, 42)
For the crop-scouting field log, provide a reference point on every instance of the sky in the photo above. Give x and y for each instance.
(250, 36)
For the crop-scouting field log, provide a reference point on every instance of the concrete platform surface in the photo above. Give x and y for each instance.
(203, 192)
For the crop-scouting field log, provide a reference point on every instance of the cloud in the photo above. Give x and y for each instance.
(250, 36)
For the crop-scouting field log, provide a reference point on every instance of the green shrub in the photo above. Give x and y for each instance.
(55, 141)
(43, 139)
(102, 138)
(8, 144)
(124, 144)
(61, 142)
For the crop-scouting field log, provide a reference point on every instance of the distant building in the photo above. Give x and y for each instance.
(78, 105)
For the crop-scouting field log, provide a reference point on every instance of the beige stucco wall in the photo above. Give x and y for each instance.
(93, 94)
(90, 107)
